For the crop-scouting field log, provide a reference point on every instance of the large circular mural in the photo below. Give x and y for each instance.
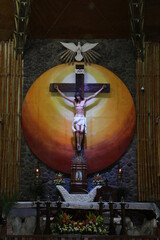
(47, 120)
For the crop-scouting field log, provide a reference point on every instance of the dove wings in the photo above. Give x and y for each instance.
(79, 52)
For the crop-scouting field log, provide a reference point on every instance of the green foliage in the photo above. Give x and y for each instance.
(98, 179)
(92, 224)
(6, 203)
(59, 179)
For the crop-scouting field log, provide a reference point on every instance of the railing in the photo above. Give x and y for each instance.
(48, 214)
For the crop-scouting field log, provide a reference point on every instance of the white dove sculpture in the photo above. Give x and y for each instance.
(79, 52)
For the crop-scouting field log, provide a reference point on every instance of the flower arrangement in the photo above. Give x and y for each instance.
(92, 224)
(59, 179)
(98, 179)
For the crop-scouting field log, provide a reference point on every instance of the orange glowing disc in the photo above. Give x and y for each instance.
(47, 120)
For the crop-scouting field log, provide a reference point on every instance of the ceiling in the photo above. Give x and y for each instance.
(80, 19)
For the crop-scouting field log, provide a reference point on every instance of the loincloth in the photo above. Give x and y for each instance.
(81, 121)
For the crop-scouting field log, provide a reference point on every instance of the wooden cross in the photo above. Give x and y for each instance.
(79, 86)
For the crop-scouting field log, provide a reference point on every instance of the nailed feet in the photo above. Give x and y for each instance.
(78, 147)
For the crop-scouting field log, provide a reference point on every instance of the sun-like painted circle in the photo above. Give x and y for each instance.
(47, 120)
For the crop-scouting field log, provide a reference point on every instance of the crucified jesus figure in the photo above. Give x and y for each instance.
(79, 124)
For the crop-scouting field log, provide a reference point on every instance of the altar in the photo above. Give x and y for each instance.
(24, 215)
(24, 209)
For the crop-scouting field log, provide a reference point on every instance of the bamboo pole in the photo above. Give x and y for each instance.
(145, 186)
(154, 122)
(142, 131)
(145, 183)
(157, 115)
(14, 122)
(139, 150)
(18, 103)
(4, 114)
(147, 117)
(9, 100)
(141, 162)
(138, 135)
(151, 190)
(10, 119)
(156, 144)
(146, 123)
(158, 111)
(12, 127)
(17, 121)
(19, 116)
(147, 105)
(155, 125)
(150, 119)
(12, 113)
(1, 80)
(16, 117)
(3, 117)
(7, 149)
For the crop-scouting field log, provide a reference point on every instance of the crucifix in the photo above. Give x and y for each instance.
(79, 165)
(80, 88)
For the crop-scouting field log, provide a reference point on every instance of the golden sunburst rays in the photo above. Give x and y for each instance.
(67, 56)
(90, 56)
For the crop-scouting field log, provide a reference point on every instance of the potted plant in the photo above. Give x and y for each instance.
(6, 204)
(59, 179)
(98, 179)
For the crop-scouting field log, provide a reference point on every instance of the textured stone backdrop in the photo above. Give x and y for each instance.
(116, 55)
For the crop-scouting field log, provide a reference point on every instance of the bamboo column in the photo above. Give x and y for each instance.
(10, 115)
(148, 130)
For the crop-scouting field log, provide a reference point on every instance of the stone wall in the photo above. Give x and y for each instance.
(117, 56)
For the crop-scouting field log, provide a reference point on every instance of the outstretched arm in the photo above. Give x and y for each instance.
(63, 95)
(95, 94)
